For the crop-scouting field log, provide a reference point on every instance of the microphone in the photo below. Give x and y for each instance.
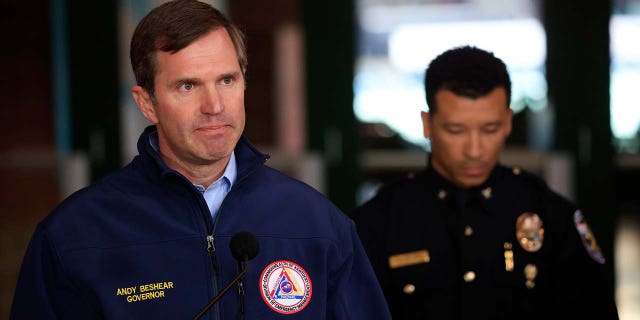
(244, 247)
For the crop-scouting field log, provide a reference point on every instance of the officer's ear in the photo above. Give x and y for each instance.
(426, 124)
(145, 104)
(508, 121)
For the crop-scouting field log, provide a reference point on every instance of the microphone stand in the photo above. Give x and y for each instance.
(224, 290)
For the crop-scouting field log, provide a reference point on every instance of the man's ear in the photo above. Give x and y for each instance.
(426, 125)
(143, 100)
(509, 120)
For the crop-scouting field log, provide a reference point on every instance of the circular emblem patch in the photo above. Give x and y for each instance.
(285, 287)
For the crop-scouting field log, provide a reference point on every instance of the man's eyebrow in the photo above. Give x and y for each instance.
(493, 123)
(234, 74)
(452, 124)
(180, 81)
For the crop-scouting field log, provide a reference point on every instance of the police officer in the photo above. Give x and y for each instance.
(468, 238)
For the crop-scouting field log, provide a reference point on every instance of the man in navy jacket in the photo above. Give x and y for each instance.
(151, 240)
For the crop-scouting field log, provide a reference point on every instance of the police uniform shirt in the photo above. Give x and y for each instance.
(508, 249)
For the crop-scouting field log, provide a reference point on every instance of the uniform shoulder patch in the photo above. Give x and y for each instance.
(285, 287)
(588, 239)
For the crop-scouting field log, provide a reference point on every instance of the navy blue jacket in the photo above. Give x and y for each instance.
(141, 244)
(508, 249)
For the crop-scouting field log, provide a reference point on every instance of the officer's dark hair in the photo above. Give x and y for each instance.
(466, 71)
(171, 27)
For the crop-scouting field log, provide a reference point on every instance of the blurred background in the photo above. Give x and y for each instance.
(334, 95)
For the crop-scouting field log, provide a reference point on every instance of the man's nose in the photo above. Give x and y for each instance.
(211, 102)
(474, 146)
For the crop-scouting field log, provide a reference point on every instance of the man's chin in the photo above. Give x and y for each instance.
(222, 145)
(470, 182)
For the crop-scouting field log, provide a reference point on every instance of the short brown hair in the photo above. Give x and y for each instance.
(171, 27)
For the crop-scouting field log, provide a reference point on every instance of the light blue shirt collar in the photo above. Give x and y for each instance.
(231, 171)
(218, 190)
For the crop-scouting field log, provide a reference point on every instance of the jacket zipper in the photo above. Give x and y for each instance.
(240, 314)
(211, 248)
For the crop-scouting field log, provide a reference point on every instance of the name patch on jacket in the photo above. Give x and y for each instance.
(145, 291)
(285, 287)
(409, 259)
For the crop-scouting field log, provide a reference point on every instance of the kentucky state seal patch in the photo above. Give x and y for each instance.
(285, 286)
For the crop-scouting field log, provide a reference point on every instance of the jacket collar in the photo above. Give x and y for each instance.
(247, 156)
(446, 190)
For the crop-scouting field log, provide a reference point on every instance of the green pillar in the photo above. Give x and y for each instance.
(329, 36)
(93, 80)
(578, 76)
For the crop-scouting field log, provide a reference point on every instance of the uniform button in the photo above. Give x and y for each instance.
(469, 276)
(442, 194)
(516, 171)
(411, 175)
(468, 231)
(409, 288)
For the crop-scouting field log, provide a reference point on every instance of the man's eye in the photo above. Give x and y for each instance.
(491, 129)
(186, 86)
(227, 80)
